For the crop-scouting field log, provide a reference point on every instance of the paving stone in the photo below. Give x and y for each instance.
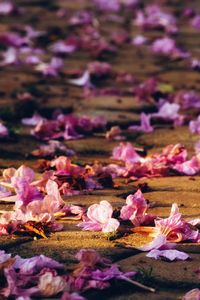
(176, 274)
(173, 184)
(182, 198)
(7, 242)
(163, 137)
(63, 245)
(117, 103)
(92, 145)
(124, 291)
(138, 240)
(87, 200)
(114, 117)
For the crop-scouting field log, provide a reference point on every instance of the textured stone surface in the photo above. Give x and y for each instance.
(177, 273)
(171, 280)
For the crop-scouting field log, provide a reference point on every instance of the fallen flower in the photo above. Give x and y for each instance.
(160, 247)
(168, 254)
(125, 152)
(93, 271)
(50, 283)
(10, 57)
(99, 218)
(145, 124)
(192, 295)
(84, 80)
(167, 46)
(3, 131)
(190, 167)
(139, 40)
(195, 64)
(170, 112)
(196, 22)
(175, 228)
(6, 8)
(115, 134)
(135, 209)
(154, 17)
(52, 68)
(194, 125)
(51, 148)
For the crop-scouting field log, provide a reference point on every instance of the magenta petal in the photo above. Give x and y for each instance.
(169, 254)
(90, 225)
(159, 242)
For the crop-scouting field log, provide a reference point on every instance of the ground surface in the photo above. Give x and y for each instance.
(171, 280)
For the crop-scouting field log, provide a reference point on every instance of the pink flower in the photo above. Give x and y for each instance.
(100, 218)
(170, 112)
(99, 69)
(52, 68)
(139, 40)
(52, 190)
(194, 125)
(90, 257)
(169, 254)
(125, 152)
(12, 39)
(24, 191)
(110, 6)
(159, 247)
(26, 173)
(189, 167)
(192, 295)
(47, 130)
(154, 17)
(33, 121)
(145, 124)
(111, 273)
(50, 283)
(196, 22)
(114, 134)
(135, 210)
(3, 131)
(195, 64)
(10, 57)
(51, 148)
(167, 46)
(4, 256)
(6, 7)
(146, 89)
(35, 264)
(174, 228)
(66, 46)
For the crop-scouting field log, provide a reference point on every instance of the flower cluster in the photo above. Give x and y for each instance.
(68, 127)
(173, 160)
(41, 276)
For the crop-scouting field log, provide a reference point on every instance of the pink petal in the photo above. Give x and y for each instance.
(169, 254)
(111, 226)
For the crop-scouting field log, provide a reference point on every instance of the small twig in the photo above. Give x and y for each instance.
(140, 285)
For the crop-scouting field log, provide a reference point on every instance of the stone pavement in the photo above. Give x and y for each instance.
(171, 279)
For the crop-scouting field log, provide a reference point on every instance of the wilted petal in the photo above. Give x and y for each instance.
(169, 254)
